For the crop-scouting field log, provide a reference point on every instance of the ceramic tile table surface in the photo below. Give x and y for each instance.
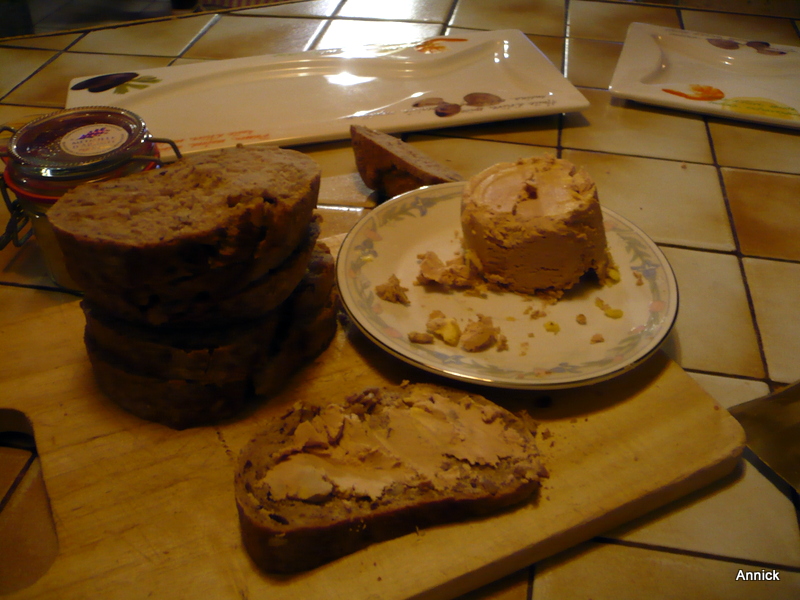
(720, 197)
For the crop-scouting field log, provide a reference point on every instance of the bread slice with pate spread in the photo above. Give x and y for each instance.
(324, 481)
(391, 166)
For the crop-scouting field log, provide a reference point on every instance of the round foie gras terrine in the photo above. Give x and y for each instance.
(534, 225)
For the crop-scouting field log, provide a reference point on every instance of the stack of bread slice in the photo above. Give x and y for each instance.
(204, 281)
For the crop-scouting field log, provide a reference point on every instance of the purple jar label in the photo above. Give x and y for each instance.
(94, 139)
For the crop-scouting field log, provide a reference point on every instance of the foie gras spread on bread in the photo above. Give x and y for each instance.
(324, 481)
(534, 224)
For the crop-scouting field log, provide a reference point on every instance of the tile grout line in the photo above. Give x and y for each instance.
(205, 29)
(656, 4)
(17, 481)
(695, 554)
(57, 53)
(739, 256)
(531, 580)
(448, 18)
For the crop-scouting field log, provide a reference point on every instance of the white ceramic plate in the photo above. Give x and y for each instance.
(735, 78)
(388, 242)
(315, 96)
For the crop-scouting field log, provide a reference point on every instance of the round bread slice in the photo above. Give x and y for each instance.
(308, 336)
(390, 166)
(201, 308)
(215, 354)
(322, 481)
(176, 403)
(203, 211)
(182, 403)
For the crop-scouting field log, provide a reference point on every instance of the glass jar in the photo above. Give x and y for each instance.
(52, 154)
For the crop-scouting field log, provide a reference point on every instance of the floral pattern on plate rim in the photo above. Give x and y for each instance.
(634, 347)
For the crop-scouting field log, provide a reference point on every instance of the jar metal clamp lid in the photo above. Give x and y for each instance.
(56, 152)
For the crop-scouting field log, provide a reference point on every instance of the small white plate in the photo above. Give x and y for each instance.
(315, 96)
(735, 78)
(388, 241)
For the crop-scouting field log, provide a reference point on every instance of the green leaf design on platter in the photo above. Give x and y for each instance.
(139, 83)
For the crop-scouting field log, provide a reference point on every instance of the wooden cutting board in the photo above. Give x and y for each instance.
(144, 511)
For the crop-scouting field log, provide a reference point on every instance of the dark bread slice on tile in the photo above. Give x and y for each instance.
(391, 166)
(325, 480)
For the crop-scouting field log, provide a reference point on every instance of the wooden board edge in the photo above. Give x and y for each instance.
(728, 458)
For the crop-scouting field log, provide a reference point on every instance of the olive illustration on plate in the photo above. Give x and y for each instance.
(102, 83)
(447, 109)
(482, 99)
(724, 44)
(764, 48)
(443, 108)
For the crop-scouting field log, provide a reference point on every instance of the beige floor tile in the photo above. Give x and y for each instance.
(12, 462)
(469, 157)
(591, 63)
(24, 265)
(414, 10)
(542, 17)
(45, 42)
(749, 27)
(512, 587)
(630, 128)
(730, 391)
(743, 517)
(50, 85)
(765, 211)
(606, 21)
(188, 61)
(345, 32)
(16, 117)
(617, 572)
(551, 46)
(18, 64)
(160, 38)
(337, 220)
(755, 147)
(714, 331)
(237, 36)
(316, 8)
(674, 203)
(775, 288)
(341, 184)
(536, 131)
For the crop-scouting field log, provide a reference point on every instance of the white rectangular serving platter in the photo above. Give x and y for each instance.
(749, 80)
(290, 99)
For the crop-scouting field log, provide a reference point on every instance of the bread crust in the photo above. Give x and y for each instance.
(202, 212)
(181, 403)
(391, 167)
(211, 354)
(178, 308)
(286, 535)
